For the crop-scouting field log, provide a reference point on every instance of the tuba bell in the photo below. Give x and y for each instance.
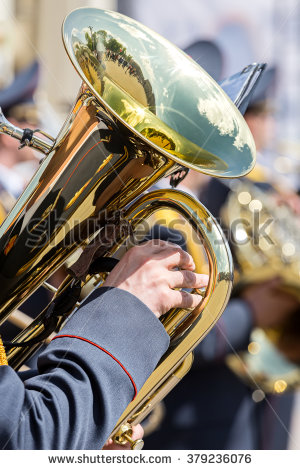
(144, 110)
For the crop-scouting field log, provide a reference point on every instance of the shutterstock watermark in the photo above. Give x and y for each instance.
(113, 228)
(243, 231)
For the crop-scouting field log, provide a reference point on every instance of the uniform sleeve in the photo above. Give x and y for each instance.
(86, 377)
(231, 333)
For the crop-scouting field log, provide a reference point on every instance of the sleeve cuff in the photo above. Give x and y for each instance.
(122, 326)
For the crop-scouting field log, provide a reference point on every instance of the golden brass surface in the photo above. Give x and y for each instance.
(158, 92)
(273, 252)
(94, 166)
(144, 108)
(37, 143)
(125, 435)
(186, 329)
(266, 368)
(3, 358)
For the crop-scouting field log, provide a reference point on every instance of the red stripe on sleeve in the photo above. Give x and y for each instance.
(104, 350)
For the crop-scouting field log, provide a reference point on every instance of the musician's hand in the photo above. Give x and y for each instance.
(149, 272)
(137, 433)
(270, 305)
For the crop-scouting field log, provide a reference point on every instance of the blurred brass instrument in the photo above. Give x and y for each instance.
(265, 242)
(144, 109)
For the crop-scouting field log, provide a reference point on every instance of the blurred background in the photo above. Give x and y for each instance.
(38, 86)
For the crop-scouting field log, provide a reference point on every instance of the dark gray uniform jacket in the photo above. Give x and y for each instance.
(86, 377)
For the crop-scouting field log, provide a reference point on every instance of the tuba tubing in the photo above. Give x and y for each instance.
(186, 329)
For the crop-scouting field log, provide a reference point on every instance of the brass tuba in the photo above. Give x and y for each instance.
(144, 110)
(262, 255)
